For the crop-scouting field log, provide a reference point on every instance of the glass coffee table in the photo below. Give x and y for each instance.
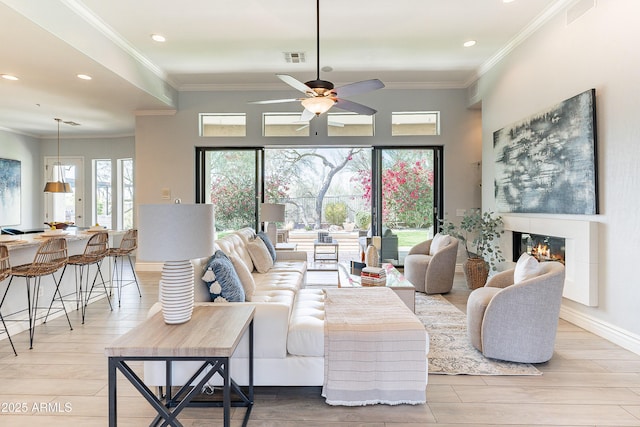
(395, 280)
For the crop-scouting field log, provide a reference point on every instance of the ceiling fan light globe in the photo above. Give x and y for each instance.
(318, 105)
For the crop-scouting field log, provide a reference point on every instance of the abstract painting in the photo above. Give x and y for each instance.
(9, 192)
(547, 162)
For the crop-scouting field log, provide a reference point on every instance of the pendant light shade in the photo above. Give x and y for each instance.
(57, 172)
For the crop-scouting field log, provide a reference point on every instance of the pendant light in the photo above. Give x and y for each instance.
(58, 186)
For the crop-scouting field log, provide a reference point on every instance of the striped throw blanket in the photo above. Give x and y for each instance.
(374, 351)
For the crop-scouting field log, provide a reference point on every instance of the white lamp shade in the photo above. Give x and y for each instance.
(175, 232)
(271, 212)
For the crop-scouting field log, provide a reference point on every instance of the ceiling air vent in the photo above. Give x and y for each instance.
(294, 57)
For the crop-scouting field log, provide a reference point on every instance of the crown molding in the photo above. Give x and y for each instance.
(550, 12)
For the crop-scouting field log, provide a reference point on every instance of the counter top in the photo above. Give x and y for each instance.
(20, 241)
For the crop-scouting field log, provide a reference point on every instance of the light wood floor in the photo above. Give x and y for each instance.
(63, 382)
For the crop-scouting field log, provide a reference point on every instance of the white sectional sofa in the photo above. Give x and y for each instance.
(288, 322)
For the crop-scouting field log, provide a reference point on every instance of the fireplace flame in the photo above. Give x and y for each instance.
(543, 253)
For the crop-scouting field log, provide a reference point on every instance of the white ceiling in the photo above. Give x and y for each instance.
(239, 44)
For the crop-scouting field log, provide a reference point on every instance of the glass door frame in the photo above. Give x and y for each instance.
(376, 176)
(203, 182)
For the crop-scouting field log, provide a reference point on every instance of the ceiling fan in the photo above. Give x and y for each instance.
(321, 94)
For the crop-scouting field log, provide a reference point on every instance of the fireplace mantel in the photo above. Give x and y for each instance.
(581, 274)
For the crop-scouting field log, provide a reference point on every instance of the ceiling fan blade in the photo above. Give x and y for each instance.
(294, 83)
(302, 127)
(358, 87)
(306, 115)
(354, 107)
(275, 101)
(335, 124)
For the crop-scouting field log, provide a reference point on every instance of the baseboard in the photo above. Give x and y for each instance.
(616, 335)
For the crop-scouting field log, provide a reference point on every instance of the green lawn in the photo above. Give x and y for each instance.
(408, 238)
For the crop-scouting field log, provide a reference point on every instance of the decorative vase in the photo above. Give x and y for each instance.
(372, 258)
(476, 271)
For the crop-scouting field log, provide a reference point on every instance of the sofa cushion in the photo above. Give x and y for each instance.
(272, 280)
(527, 267)
(248, 284)
(439, 242)
(260, 256)
(306, 327)
(235, 244)
(269, 244)
(224, 282)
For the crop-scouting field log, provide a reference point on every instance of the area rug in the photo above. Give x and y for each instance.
(450, 351)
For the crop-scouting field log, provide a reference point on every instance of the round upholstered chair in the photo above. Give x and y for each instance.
(514, 317)
(431, 265)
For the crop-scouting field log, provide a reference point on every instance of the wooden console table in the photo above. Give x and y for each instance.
(211, 336)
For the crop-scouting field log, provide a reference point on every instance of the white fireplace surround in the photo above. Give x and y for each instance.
(581, 246)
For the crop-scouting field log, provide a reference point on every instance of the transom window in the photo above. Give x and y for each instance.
(415, 123)
(223, 124)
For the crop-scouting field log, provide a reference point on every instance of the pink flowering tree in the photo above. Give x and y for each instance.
(407, 193)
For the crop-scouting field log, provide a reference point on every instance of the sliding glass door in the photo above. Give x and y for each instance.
(407, 198)
(354, 193)
(229, 179)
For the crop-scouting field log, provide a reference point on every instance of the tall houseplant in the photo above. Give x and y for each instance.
(480, 231)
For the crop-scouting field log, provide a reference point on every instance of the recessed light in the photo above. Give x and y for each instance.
(9, 77)
(84, 77)
(469, 43)
(158, 38)
(507, 1)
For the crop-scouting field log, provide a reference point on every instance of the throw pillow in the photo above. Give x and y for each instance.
(269, 244)
(439, 242)
(527, 267)
(260, 256)
(222, 280)
(245, 276)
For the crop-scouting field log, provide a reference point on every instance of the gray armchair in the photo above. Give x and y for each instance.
(517, 322)
(432, 273)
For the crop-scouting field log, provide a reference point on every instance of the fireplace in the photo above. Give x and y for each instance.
(540, 246)
(580, 247)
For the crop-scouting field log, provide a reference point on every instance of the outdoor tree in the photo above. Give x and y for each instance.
(332, 162)
(407, 192)
(232, 189)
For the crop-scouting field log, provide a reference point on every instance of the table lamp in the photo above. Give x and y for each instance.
(270, 213)
(175, 234)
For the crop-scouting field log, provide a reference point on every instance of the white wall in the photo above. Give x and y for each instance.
(599, 50)
(27, 150)
(165, 145)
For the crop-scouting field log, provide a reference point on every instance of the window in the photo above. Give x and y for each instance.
(125, 194)
(102, 192)
(349, 124)
(284, 124)
(223, 124)
(415, 123)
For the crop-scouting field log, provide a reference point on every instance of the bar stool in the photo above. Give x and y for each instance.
(94, 253)
(128, 244)
(50, 257)
(5, 271)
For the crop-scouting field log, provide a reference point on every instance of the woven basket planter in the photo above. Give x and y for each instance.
(476, 271)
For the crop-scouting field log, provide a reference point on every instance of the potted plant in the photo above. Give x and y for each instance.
(480, 230)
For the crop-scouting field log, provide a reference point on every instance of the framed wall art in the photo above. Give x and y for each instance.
(547, 162)
(10, 186)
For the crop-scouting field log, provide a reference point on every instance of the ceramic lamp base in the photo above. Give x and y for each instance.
(176, 291)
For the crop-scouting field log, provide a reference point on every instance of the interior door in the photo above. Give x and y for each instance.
(66, 207)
